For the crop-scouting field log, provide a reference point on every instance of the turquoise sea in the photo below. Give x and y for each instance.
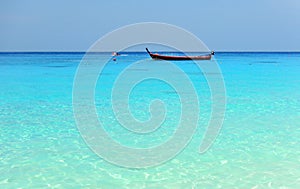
(258, 146)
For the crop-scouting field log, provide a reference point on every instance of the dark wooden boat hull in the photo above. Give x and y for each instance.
(164, 57)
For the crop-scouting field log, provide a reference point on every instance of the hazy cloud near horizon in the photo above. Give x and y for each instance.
(266, 25)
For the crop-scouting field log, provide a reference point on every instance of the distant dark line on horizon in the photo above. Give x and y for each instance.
(83, 52)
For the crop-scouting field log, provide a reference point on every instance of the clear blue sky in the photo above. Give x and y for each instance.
(73, 25)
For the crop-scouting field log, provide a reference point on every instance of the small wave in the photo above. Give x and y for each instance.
(60, 66)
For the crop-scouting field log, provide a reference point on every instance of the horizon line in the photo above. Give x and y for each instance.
(217, 51)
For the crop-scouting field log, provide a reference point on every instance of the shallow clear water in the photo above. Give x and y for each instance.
(258, 146)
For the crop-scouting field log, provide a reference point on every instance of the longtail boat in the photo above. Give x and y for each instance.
(165, 57)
